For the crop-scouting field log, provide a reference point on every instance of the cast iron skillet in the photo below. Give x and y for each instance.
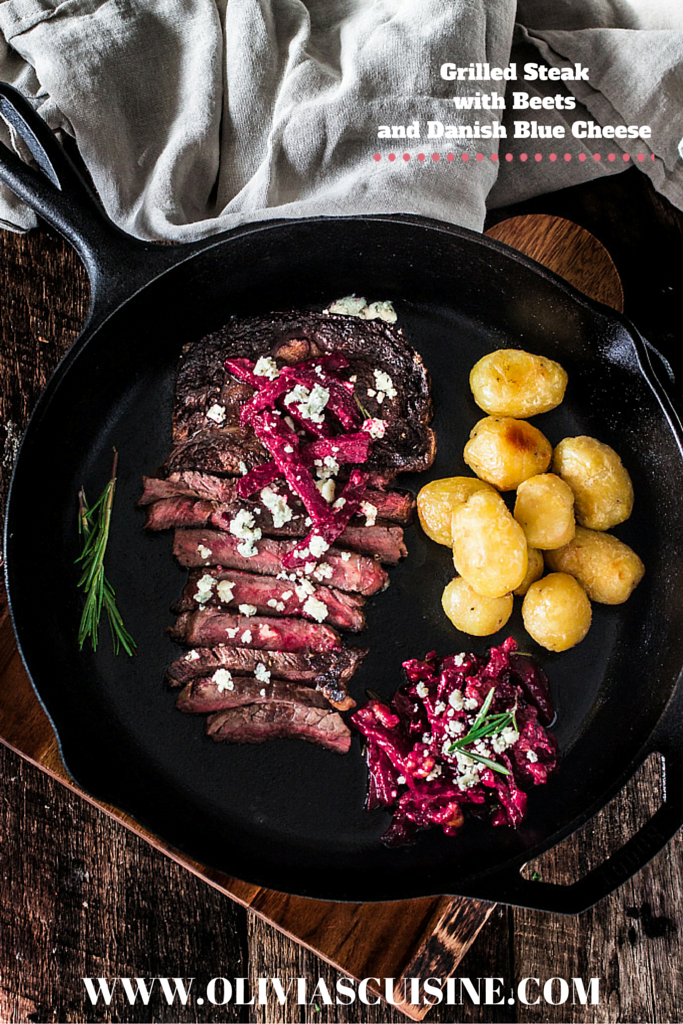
(288, 815)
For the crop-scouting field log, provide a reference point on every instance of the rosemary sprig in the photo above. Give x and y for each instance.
(486, 725)
(362, 408)
(93, 526)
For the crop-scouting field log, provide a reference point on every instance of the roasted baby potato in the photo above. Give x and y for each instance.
(607, 569)
(504, 451)
(603, 492)
(437, 500)
(511, 382)
(545, 510)
(471, 613)
(556, 612)
(489, 546)
(534, 571)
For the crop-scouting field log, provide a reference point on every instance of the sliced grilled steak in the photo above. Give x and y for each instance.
(270, 596)
(349, 571)
(203, 696)
(211, 626)
(260, 722)
(408, 443)
(330, 671)
(383, 542)
(217, 451)
(394, 506)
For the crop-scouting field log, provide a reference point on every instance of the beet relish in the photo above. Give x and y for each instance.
(463, 730)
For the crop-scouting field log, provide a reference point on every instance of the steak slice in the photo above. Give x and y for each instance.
(203, 696)
(271, 596)
(369, 345)
(217, 451)
(394, 506)
(210, 626)
(330, 671)
(257, 723)
(350, 571)
(383, 542)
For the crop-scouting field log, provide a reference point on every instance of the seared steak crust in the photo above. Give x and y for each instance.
(210, 626)
(369, 345)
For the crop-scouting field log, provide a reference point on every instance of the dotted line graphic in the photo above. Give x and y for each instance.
(523, 157)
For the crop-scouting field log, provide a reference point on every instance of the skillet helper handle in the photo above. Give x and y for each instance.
(510, 887)
(58, 193)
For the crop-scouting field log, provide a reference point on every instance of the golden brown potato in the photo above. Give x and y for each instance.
(471, 613)
(489, 547)
(511, 382)
(556, 612)
(437, 499)
(608, 569)
(534, 571)
(603, 492)
(504, 451)
(545, 510)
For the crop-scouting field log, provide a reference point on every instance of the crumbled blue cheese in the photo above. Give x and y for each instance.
(434, 774)
(385, 386)
(244, 526)
(316, 609)
(204, 587)
(339, 503)
(369, 511)
(247, 609)
(439, 707)
(266, 367)
(426, 737)
(286, 595)
(246, 637)
(422, 690)
(459, 659)
(456, 700)
(263, 676)
(532, 756)
(380, 311)
(350, 305)
(346, 556)
(232, 633)
(455, 728)
(376, 428)
(401, 780)
(324, 571)
(471, 703)
(224, 591)
(217, 414)
(310, 404)
(192, 656)
(242, 466)
(327, 489)
(278, 606)
(467, 780)
(223, 680)
(318, 546)
(203, 551)
(304, 589)
(277, 506)
(356, 305)
(500, 741)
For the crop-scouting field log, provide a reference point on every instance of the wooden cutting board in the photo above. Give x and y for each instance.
(408, 939)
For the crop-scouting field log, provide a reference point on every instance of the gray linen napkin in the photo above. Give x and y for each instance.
(196, 115)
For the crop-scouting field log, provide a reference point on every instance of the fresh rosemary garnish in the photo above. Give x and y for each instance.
(93, 526)
(486, 725)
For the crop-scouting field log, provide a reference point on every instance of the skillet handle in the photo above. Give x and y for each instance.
(117, 264)
(508, 886)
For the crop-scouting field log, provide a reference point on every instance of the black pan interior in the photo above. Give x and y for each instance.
(286, 814)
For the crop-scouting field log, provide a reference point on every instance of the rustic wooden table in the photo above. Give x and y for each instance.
(82, 896)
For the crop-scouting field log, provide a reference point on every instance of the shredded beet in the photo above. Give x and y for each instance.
(283, 413)
(418, 748)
